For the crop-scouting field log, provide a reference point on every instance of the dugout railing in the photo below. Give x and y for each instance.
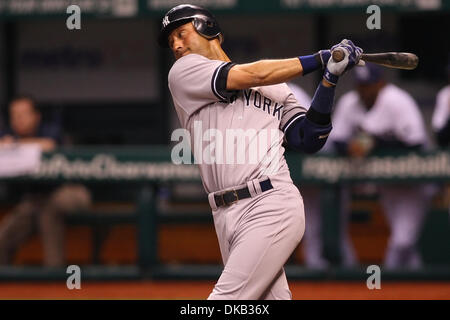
(141, 171)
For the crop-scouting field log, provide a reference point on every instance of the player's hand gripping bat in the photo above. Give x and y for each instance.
(396, 60)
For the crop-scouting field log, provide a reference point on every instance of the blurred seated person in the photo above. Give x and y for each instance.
(41, 210)
(379, 116)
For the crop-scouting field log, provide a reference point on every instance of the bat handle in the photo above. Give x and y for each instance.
(338, 55)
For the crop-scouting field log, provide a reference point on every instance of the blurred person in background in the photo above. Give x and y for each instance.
(41, 210)
(312, 240)
(2, 124)
(313, 249)
(441, 114)
(441, 123)
(380, 116)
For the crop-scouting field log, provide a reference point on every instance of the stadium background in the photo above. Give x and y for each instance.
(106, 85)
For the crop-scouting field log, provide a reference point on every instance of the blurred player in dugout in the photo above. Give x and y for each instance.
(441, 114)
(41, 209)
(312, 241)
(441, 122)
(313, 246)
(381, 116)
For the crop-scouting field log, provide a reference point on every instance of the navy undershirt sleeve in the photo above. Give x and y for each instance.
(309, 133)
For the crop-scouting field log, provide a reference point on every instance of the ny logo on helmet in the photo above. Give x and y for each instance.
(165, 21)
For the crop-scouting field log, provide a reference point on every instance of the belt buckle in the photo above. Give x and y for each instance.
(235, 195)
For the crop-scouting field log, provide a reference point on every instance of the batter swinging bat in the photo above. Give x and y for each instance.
(396, 60)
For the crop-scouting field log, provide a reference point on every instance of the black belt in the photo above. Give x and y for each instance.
(232, 196)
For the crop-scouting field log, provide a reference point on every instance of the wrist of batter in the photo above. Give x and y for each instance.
(310, 63)
(321, 105)
(330, 77)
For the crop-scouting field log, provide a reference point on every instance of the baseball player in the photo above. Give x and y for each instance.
(380, 116)
(258, 212)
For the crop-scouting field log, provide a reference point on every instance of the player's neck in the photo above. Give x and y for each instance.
(216, 52)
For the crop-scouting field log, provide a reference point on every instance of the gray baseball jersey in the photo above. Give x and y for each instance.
(234, 138)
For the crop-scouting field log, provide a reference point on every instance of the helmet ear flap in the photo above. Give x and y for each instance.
(208, 28)
(198, 25)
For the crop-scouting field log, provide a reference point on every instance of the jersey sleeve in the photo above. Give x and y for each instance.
(441, 112)
(345, 118)
(302, 97)
(195, 81)
(379, 120)
(292, 110)
(398, 115)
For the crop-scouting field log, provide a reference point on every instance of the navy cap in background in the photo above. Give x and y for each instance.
(368, 74)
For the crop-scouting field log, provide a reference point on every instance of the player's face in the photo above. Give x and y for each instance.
(24, 118)
(368, 93)
(185, 39)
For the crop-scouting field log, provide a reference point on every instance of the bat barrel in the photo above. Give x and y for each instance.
(396, 60)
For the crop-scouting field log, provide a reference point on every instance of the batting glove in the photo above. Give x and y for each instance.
(323, 56)
(352, 55)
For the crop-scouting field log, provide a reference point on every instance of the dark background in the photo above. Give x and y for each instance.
(107, 83)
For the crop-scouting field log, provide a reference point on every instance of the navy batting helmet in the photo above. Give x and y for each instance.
(203, 20)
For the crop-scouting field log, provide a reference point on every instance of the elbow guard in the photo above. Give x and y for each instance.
(308, 133)
(307, 136)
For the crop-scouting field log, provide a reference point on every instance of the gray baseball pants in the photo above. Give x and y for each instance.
(256, 236)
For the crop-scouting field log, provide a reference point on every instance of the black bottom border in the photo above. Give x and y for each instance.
(245, 309)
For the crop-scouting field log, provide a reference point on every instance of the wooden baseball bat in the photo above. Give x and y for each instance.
(396, 60)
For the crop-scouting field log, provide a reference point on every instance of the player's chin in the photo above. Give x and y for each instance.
(176, 55)
(180, 55)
